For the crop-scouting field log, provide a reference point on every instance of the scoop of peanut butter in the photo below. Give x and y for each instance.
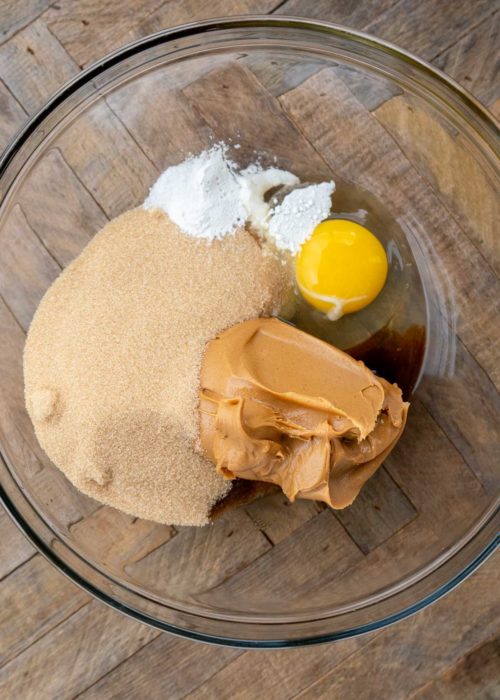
(281, 406)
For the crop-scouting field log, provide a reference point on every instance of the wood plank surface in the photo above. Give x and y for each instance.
(22, 446)
(57, 643)
(120, 177)
(27, 267)
(403, 650)
(425, 28)
(451, 404)
(121, 540)
(460, 180)
(33, 65)
(281, 674)
(200, 559)
(13, 115)
(160, 140)
(380, 510)
(477, 675)
(51, 597)
(474, 60)
(77, 25)
(428, 28)
(16, 15)
(194, 664)
(59, 209)
(274, 515)
(405, 654)
(14, 547)
(234, 117)
(104, 639)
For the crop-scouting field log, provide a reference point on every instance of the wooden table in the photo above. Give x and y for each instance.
(55, 641)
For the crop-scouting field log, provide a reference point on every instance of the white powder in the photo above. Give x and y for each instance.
(294, 220)
(254, 183)
(201, 195)
(208, 198)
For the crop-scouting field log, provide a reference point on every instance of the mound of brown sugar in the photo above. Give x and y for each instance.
(113, 355)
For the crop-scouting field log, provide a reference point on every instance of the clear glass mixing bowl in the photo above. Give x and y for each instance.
(324, 101)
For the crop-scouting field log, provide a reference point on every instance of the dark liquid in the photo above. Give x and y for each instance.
(396, 357)
(389, 335)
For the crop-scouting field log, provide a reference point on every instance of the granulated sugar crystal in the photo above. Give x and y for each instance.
(113, 355)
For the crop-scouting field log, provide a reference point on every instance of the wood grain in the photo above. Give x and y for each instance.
(120, 178)
(119, 539)
(34, 65)
(175, 12)
(452, 402)
(278, 518)
(390, 663)
(425, 28)
(380, 510)
(183, 666)
(413, 657)
(495, 109)
(14, 547)
(448, 650)
(16, 15)
(320, 546)
(279, 675)
(474, 60)
(477, 675)
(59, 209)
(444, 24)
(444, 160)
(26, 267)
(13, 115)
(79, 26)
(51, 487)
(200, 558)
(161, 139)
(279, 77)
(86, 646)
(52, 599)
(272, 134)
(352, 14)
(425, 464)
(19, 444)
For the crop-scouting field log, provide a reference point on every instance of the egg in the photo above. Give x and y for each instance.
(341, 268)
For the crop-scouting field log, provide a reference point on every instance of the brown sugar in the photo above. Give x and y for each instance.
(113, 357)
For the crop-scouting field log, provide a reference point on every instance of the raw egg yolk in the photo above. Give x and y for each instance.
(341, 268)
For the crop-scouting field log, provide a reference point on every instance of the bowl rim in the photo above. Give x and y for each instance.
(230, 22)
(277, 643)
(66, 91)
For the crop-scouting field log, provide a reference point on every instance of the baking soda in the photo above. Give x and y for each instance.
(293, 221)
(201, 195)
(208, 197)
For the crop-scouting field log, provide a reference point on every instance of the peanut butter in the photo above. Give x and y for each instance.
(280, 406)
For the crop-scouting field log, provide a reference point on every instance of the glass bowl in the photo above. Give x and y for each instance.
(316, 99)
